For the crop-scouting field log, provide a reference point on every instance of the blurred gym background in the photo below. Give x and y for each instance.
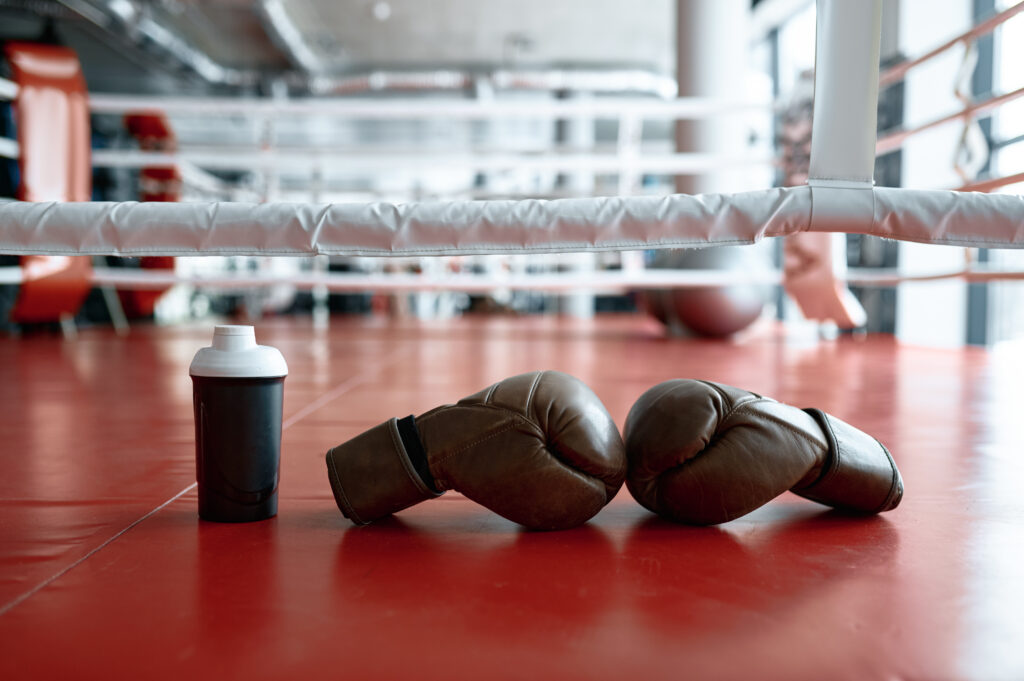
(398, 100)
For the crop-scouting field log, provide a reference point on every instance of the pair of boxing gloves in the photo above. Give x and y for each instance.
(541, 450)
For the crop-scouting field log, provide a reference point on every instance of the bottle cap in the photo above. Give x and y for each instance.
(234, 354)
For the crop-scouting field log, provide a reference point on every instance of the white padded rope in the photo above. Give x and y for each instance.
(413, 229)
(949, 218)
(840, 198)
(482, 227)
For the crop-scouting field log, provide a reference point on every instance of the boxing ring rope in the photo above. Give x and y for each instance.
(498, 227)
(894, 140)
(8, 89)
(609, 281)
(625, 161)
(993, 183)
(303, 159)
(898, 72)
(623, 109)
(681, 108)
(8, 147)
(840, 196)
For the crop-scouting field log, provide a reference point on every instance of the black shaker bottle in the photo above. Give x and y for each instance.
(237, 394)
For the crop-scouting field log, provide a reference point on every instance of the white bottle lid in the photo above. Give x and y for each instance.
(234, 354)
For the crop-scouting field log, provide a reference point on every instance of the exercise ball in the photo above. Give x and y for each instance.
(713, 311)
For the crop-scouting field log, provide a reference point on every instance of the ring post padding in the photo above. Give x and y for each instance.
(849, 210)
(844, 129)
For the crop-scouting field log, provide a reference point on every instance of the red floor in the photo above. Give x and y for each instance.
(106, 572)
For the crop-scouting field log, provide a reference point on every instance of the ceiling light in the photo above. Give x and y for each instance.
(124, 9)
(381, 10)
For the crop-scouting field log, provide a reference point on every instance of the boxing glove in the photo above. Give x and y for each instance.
(705, 453)
(539, 449)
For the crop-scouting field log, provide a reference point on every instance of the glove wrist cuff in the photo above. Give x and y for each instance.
(859, 473)
(375, 474)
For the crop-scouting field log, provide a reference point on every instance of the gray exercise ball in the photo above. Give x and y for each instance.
(714, 311)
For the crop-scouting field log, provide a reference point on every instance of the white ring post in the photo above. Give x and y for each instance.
(845, 123)
(846, 93)
(841, 174)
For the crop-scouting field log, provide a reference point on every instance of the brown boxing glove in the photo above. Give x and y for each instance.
(539, 449)
(706, 453)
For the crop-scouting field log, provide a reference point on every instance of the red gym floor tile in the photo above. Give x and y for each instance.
(101, 577)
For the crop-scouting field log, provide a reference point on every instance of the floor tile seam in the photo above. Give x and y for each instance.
(360, 378)
(7, 607)
(336, 392)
